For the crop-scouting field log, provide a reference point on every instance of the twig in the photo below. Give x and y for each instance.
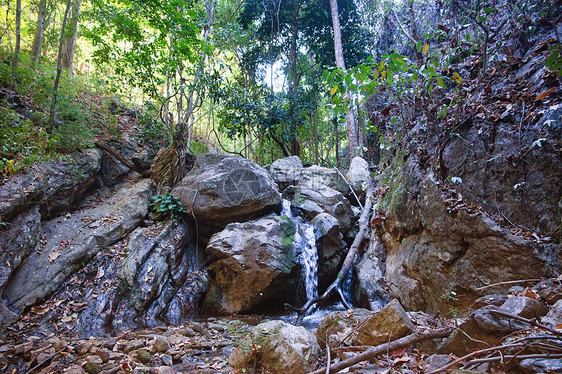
(46, 360)
(351, 188)
(476, 353)
(379, 349)
(506, 283)
(498, 358)
(328, 353)
(530, 322)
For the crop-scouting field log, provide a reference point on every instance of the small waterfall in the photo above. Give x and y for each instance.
(305, 244)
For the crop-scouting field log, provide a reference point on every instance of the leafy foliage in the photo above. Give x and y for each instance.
(166, 206)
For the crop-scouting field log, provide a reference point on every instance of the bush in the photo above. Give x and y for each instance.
(166, 206)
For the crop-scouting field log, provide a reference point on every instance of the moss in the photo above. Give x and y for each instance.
(394, 177)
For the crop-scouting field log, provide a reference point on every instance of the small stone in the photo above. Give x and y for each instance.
(525, 307)
(109, 343)
(436, 361)
(92, 364)
(187, 331)
(197, 327)
(160, 344)
(167, 360)
(144, 356)
(104, 354)
(554, 317)
(74, 369)
(133, 345)
(493, 299)
(164, 370)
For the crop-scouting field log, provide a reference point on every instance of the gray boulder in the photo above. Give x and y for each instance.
(317, 178)
(325, 225)
(286, 171)
(72, 242)
(328, 199)
(554, 316)
(277, 347)
(359, 175)
(253, 260)
(221, 189)
(371, 290)
(55, 187)
(525, 307)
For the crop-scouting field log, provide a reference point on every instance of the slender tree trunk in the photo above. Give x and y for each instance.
(191, 103)
(340, 63)
(70, 41)
(59, 69)
(39, 33)
(315, 129)
(337, 133)
(15, 57)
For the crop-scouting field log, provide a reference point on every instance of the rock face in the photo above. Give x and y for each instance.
(329, 200)
(495, 169)
(158, 282)
(281, 348)
(286, 171)
(55, 187)
(71, 242)
(370, 289)
(222, 189)
(253, 260)
(433, 250)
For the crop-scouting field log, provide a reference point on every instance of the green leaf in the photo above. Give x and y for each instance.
(325, 75)
(550, 60)
(419, 46)
(430, 90)
(488, 10)
(389, 77)
(440, 82)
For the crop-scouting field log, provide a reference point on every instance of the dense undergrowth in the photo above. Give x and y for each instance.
(86, 110)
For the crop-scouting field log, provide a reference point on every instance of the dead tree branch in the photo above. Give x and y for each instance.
(392, 346)
(123, 160)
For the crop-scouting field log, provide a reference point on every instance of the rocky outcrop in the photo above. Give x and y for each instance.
(313, 201)
(286, 171)
(253, 264)
(434, 250)
(157, 282)
(370, 288)
(222, 189)
(277, 347)
(55, 187)
(73, 240)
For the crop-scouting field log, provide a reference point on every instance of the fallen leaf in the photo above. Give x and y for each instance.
(100, 273)
(39, 310)
(66, 319)
(53, 256)
(546, 93)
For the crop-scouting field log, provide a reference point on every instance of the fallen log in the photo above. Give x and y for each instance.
(123, 160)
(362, 235)
(387, 347)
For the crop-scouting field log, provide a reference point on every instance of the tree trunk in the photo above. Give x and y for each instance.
(39, 33)
(340, 63)
(15, 57)
(59, 69)
(70, 41)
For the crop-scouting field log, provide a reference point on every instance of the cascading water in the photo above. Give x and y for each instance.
(305, 244)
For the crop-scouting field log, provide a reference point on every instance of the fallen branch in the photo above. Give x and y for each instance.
(508, 283)
(388, 347)
(123, 160)
(347, 263)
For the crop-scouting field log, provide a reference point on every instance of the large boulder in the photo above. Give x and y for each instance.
(277, 347)
(370, 289)
(253, 261)
(55, 187)
(221, 189)
(327, 199)
(286, 171)
(363, 327)
(72, 241)
(359, 175)
(435, 250)
(317, 178)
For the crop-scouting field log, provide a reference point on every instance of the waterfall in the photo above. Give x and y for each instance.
(305, 244)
